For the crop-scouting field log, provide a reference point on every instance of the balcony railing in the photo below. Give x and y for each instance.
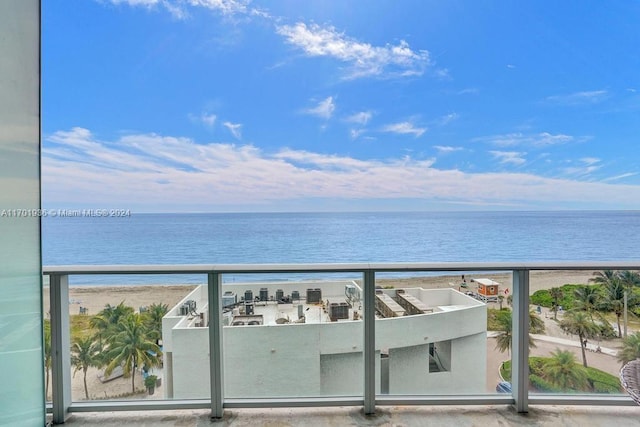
(62, 403)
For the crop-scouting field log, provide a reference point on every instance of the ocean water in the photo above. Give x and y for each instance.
(336, 237)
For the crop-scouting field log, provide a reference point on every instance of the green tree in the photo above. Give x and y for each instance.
(47, 355)
(630, 280)
(562, 371)
(109, 316)
(613, 300)
(578, 323)
(504, 319)
(106, 321)
(630, 348)
(153, 319)
(536, 324)
(131, 346)
(556, 296)
(500, 300)
(84, 353)
(587, 299)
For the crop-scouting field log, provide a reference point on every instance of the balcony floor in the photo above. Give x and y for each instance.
(485, 416)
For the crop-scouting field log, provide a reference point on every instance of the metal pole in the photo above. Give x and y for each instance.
(520, 340)
(369, 342)
(60, 347)
(625, 312)
(215, 344)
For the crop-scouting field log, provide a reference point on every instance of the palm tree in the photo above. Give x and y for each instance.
(110, 315)
(503, 340)
(84, 353)
(153, 319)
(131, 346)
(578, 323)
(505, 335)
(536, 324)
(47, 355)
(562, 370)
(613, 299)
(587, 299)
(500, 300)
(629, 279)
(556, 295)
(630, 348)
(107, 319)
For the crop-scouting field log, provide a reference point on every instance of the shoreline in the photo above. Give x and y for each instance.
(96, 297)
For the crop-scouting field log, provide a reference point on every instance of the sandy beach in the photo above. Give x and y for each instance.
(94, 299)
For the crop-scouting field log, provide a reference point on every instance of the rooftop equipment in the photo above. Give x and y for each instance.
(295, 296)
(314, 296)
(248, 308)
(338, 311)
(264, 294)
(229, 299)
(248, 295)
(279, 295)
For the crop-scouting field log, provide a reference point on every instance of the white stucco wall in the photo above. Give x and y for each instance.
(325, 359)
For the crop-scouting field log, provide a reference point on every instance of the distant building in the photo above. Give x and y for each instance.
(487, 290)
(306, 339)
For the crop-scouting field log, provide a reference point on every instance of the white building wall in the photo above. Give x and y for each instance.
(321, 359)
(190, 363)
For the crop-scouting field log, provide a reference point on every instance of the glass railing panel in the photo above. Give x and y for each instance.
(123, 334)
(293, 336)
(46, 315)
(581, 349)
(432, 332)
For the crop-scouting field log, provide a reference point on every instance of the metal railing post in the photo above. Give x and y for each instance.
(520, 341)
(60, 347)
(369, 342)
(215, 344)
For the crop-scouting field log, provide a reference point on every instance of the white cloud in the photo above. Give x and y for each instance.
(586, 166)
(404, 128)
(154, 172)
(447, 149)
(447, 118)
(578, 98)
(178, 8)
(208, 119)
(226, 7)
(355, 133)
(621, 176)
(363, 58)
(234, 128)
(324, 109)
(137, 2)
(541, 139)
(590, 160)
(509, 157)
(361, 118)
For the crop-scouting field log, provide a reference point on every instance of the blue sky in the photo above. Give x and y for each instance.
(233, 105)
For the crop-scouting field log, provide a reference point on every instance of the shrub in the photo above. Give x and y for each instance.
(602, 382)
(492, 319)
(543, 297)
(599, 381)
(542, 385)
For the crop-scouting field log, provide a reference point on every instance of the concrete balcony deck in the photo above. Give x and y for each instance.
(409, 416)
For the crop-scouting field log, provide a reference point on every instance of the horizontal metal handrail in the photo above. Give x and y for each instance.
(338, 267)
